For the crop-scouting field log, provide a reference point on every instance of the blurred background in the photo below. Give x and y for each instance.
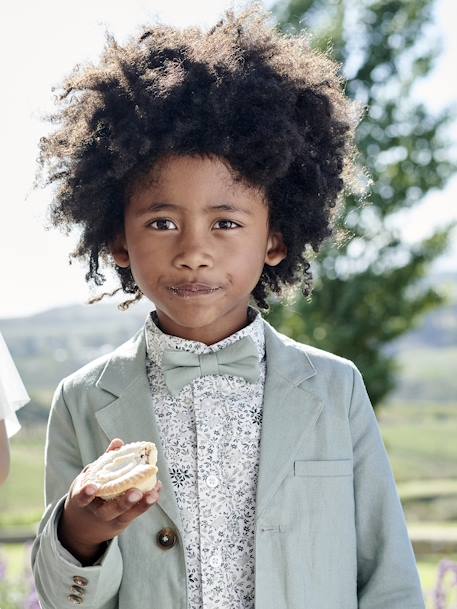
(385, 298)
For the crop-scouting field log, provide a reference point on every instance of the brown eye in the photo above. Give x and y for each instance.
(226, 222)
(162, 224)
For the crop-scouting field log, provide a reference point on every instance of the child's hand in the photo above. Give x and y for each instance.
(87, 521)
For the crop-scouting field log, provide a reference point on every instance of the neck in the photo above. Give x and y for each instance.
(208, 335)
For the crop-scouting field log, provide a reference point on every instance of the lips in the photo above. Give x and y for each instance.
(193, 289)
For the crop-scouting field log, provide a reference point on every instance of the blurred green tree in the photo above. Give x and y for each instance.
(369, 289)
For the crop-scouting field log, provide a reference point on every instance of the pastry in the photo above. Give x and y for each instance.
(116, 471)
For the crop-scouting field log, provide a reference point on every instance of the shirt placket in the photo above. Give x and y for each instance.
(211, 495)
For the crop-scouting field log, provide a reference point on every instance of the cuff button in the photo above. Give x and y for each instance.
(80, 580)
(76, 600)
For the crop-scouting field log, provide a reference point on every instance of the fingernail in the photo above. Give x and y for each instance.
(134, 497)
(150, 499)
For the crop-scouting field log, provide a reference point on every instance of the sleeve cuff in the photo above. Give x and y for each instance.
(61, 580)
(63, 552)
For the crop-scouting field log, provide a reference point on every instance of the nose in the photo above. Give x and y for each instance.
(193, 251)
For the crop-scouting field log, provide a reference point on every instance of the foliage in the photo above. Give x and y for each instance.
(369, 287)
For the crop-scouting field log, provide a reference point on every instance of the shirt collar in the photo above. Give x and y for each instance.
(157, 341)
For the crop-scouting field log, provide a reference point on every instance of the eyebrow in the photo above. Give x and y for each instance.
(171, 207)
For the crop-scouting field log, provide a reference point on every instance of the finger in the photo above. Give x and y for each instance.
(153, 496)
(113, 509)
(115, 444)
(109, 510)
(148, 500)
(86, 495)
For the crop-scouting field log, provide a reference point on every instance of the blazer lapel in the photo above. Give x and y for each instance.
(131, 416)
(290, 412)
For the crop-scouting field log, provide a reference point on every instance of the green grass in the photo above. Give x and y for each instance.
(416, 412)
(17, 558)
(425, 374)
(420, 440)
(22, 495)
(435, 441)
(426, 489)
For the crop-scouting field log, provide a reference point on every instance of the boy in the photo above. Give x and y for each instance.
(203, 165)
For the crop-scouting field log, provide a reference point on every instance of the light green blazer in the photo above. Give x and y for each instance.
(330, 531)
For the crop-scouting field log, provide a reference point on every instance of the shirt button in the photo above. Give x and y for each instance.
(166, 538)
(78, 590)
(207, 403)
(80, 580)
(212, 481)
(226, 388)
(76, 600)
(215, 561)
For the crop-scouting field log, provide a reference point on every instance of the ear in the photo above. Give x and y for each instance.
(119, 251)
(276, 250)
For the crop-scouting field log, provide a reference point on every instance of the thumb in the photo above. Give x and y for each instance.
(86, 493)
(115, 444)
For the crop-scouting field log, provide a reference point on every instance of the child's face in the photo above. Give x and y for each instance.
(194, 225)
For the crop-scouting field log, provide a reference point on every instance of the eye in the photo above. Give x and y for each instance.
(162, 224)
(226, 222)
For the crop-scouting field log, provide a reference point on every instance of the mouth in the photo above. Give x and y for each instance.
(193, 289)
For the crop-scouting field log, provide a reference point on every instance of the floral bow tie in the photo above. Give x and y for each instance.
(237, 359)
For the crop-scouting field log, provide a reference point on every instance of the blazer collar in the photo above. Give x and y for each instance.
(285, 359)
(129, 361)
(290, 411)
(124, 364)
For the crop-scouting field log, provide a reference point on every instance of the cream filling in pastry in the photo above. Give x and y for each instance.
(115, 472)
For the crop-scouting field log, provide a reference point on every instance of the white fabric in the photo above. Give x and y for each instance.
(210, 434)
(13, 394)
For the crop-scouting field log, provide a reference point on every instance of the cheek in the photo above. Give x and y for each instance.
(244, 256)
(248, 263)
(145, 261)
(141, 246)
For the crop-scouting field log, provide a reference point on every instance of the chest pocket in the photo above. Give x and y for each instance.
(313, 469)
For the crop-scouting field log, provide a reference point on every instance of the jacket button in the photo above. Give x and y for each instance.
(80, 580)
(166, 538)
(76, 600)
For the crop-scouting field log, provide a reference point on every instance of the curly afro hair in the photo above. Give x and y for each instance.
(265, 102)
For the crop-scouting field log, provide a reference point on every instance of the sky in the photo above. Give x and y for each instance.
(40, 42)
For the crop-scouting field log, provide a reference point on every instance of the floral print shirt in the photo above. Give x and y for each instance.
(210, 434)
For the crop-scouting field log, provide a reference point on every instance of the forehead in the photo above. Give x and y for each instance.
(178, 176)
